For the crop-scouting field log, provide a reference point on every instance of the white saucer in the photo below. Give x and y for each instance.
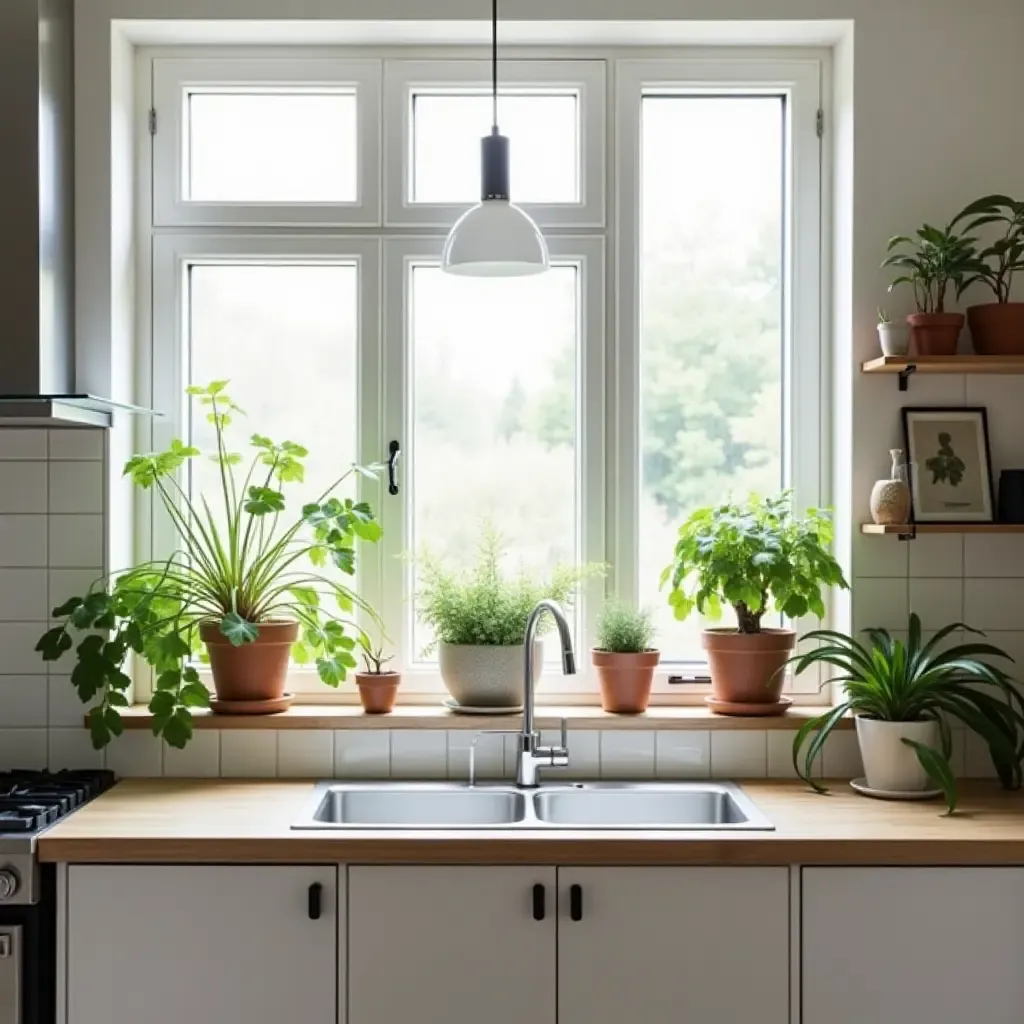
(861, 786)
(468, 709)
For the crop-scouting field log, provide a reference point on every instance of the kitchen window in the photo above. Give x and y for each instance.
(671, 357)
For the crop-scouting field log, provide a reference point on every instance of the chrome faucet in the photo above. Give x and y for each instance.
(530, 755)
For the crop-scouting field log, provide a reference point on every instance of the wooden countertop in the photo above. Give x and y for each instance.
(221, 821)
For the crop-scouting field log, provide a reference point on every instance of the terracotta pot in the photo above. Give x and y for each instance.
(935, 334)
(252, 672)
(746, 668)
(625, 679)
(997, 328)
(377, 691)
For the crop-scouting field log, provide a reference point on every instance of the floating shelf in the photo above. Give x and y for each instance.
(917, 529)
(904, 366)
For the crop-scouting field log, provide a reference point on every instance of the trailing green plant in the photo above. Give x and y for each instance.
(374, 658)
(752, 556)
(937, 259)
(257, 563)
(622, 629)
(999, 262)
(913, 681)
(481, 604)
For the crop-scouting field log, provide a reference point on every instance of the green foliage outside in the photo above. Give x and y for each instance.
(622, 629)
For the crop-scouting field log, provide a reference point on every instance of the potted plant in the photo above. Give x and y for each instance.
(244, 582)
(751, 556)
(625, 658)
(377, 688)
(894, 339)
(904, 696)
(936, 260)
(997, 328)
(479, 615)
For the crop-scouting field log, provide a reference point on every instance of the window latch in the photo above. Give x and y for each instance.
(394, 451)
(688, 680)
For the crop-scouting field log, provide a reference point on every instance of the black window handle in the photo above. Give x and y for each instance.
(539, 901)
(313, 895)
(394, 451)
(576, 902)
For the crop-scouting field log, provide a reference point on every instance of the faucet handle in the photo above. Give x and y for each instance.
(564, 742)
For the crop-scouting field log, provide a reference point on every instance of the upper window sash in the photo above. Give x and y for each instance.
(404, 79)
(176, 79)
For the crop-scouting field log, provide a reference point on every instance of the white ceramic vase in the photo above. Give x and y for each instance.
(890, 499)
(894, 339)
(480, 676)
(889, 764)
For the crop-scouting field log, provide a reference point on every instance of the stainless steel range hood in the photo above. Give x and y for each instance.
(37, 281)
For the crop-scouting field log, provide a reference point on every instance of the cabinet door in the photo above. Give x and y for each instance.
(913, 945)
(450, 945)
(674, 946)
(201, 945)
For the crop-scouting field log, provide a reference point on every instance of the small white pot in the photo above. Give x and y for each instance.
(894, 339)
(481, 676)
(889, 763)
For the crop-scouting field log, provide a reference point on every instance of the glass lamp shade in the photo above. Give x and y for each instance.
(495, 239)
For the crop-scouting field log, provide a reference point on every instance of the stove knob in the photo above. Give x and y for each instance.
(9, 883)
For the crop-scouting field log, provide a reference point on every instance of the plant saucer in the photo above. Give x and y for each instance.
(472, 709)
(749, 710)
(273, 706)
(862, 787)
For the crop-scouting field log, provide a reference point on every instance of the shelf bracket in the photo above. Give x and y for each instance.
(911, 533)
(905, 375)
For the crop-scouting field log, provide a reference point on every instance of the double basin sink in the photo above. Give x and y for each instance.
(586, 806)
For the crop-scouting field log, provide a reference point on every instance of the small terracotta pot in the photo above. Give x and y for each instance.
(747, 668)
(625, 679)
(377, 691)
(935, 334)
(251, 672)
(997, 328)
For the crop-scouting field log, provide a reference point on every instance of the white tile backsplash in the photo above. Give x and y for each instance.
(938, 602)
(489, 758)
(739, 754)
(23, 701)
(994, 554)
(419, 754)
(938, 554)
(65, 707)
(18, 656)
(248, 753)
(23, 487)
(362, 754)
(65, 583)
(305, 754)
(780, 756)
(137, 754)
(841, 756)
(72, 748)
(199, 760)
(23, 595)
(75, 541)
(683, 754)
(23, 541)
(22, 748)
(584, 754)
(22, 444)
(76, 444)
(628, 754)
(76, 487)
(880, 602)
(994, 603)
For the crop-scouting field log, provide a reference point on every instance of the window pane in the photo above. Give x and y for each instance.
(285, 337)
(712, 412)
(544, 146)
(284, 147)
(494, 417)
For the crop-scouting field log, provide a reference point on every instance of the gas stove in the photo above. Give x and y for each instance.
(30, 802)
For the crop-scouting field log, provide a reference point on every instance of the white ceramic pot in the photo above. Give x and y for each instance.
(889, 763)
(894, 339)
(481, 676)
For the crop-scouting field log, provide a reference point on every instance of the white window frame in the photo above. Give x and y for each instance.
(404, 78)
(800, 82)
(173, 77)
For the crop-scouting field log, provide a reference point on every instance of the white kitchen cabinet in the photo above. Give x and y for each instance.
(450, 945)
(687, 945)
(201, 945)
(913, 945)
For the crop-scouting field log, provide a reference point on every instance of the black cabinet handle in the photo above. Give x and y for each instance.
(576, 902)
(313, 896)
(539, 900)
(394, 451)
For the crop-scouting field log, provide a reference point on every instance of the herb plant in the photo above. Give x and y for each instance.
(255, 563)
(374, 658)
(482, 605)
(893, 681)
(1004, 258)
(622, 629)
(753, 555)
(938, 259)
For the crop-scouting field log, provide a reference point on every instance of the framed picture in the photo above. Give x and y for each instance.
(950, 467)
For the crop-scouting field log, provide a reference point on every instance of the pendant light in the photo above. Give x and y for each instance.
(495, 238)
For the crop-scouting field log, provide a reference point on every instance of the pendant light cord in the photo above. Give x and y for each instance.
(494, 67)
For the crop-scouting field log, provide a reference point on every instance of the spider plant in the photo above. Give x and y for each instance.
(912, 681)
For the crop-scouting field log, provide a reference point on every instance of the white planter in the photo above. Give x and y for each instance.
(481, 676)
(889, 763)
(894, 339)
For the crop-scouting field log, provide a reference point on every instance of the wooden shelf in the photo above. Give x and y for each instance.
(910, 529)
(945, 364)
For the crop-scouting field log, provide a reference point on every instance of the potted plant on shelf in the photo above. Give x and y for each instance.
(893, 338)
(479, 616)
(904, 696)
(997, 328)
(625, 658)
(244, 582)
(751, 556)
(377, 688)
(936, 260)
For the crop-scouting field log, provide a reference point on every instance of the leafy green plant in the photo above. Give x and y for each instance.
(938, 258)
(622, 629)
(893, 681)
(374, 658)
(254, 564)
(999, 262)
(946, 465)
(481, 605)
(750, 555)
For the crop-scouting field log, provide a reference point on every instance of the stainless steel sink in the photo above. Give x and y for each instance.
(608, 805)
